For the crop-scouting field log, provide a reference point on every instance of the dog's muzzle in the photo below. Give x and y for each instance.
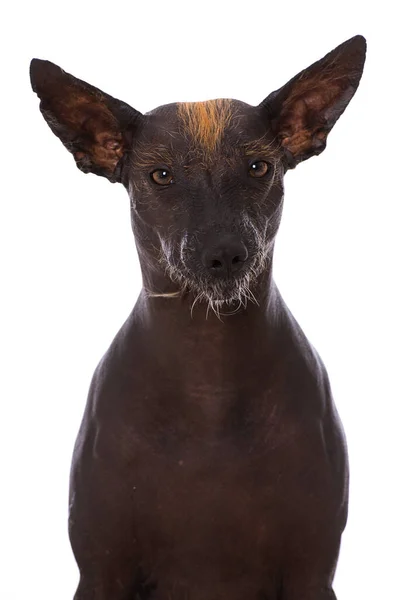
(224, 257)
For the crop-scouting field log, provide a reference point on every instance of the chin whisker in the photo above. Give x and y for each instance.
(208, 309)
(198, 297)
(215, 308)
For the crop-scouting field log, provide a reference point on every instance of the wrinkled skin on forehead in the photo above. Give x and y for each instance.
(212, 193)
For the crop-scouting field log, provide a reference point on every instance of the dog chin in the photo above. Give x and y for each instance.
(229, 293)
(233, 293)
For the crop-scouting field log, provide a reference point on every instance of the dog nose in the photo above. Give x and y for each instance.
(225, 257)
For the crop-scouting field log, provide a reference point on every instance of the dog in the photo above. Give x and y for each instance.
(211, 463)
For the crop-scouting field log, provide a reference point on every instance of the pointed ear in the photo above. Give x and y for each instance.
(304, 110)
(96, 128)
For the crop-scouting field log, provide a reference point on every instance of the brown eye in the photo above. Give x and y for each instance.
(259, 168)
(161, 177)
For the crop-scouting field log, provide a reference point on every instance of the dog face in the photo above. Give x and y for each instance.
(205, 179)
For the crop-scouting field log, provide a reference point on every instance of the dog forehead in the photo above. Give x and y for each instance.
(205, 125)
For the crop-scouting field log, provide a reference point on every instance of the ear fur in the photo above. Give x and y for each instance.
(304, 110)
(95, 127)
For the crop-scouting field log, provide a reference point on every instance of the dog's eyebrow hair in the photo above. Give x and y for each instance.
(262, 147)
(146, 155)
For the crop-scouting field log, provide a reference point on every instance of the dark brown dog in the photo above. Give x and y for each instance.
(211, 463)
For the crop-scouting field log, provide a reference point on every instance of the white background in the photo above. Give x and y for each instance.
(70, 275)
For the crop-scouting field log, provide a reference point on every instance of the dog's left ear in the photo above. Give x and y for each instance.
(96, 128)
(304, 110)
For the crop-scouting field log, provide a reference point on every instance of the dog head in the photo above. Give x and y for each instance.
(205, 179)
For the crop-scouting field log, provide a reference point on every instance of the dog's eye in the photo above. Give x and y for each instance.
(161, 177)
(259, 168)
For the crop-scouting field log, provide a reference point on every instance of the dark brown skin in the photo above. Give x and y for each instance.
(211, 463)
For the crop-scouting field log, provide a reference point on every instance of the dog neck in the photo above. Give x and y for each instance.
(174, 321)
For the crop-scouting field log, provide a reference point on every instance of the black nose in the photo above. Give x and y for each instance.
(225, 257)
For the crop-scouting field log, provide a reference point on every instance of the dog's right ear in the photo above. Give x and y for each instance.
(95, 127)
(303, 112)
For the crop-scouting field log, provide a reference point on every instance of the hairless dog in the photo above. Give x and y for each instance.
(211, 463)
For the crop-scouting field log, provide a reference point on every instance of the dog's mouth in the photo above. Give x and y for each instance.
(220, 295)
